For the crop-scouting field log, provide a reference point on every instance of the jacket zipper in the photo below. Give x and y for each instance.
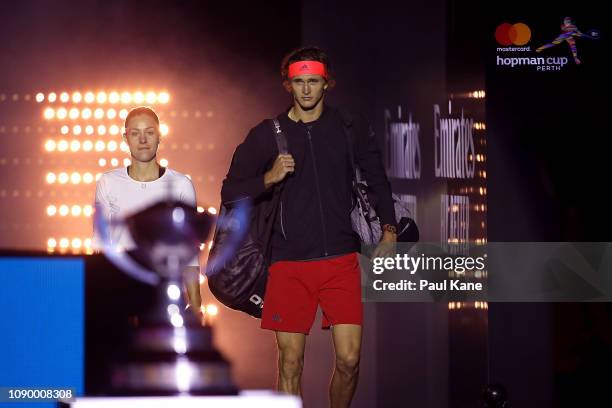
(281, 220)
(314, 164)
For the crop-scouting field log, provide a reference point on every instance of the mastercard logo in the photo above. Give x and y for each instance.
(513, 34)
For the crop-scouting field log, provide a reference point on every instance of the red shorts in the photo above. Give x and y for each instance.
(296, 288)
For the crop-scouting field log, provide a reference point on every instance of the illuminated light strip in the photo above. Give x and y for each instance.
(65, 210)
(478, 94)
(72, 113)
(65, 244)
(468, 305)
(102, 97)
(114, 162)
(74, 178)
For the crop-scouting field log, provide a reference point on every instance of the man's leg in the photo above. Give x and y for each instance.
(347, 344)
(290, 361)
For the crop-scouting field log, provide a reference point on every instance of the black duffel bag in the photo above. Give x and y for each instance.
(237, 268)
(364, 219)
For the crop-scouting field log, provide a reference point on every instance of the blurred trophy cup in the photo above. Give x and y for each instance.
(169, 352)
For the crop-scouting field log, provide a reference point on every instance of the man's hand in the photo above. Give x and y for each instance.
(386, 247)
(283, 165)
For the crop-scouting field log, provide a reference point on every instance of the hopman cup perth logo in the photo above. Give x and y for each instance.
(513, 51)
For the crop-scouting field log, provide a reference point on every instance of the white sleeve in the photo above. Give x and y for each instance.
(101, 204)
(187, 195)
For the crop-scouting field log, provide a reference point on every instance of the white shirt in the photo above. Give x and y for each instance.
(118, 195)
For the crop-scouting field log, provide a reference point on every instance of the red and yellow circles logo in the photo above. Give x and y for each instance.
(513, 34)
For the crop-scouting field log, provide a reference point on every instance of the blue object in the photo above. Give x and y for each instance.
(41, 324)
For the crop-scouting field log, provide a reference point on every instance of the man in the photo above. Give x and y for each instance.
(144, 182)
(314, 248)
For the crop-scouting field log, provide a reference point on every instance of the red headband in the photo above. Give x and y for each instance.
(307, 67)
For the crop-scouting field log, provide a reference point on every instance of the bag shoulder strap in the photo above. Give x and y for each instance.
(272, 209)
(281, 139)
(347, 125)
(283, 148)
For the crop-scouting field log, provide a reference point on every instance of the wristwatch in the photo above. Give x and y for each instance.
(390, 228)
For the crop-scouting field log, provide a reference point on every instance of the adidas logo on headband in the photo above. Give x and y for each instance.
(307, 67)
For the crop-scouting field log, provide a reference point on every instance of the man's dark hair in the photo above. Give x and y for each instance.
(309, 53)
(141, 110)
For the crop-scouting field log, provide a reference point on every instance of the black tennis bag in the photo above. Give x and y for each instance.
(364, 219)
(237, 268)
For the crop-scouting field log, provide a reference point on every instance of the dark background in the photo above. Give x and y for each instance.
(547, 162)
(547, 155)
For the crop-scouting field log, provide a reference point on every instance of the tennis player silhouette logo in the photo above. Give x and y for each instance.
(569, 33)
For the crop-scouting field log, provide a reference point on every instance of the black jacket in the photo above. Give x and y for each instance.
(314, 214)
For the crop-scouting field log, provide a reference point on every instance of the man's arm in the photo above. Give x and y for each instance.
(101, 204)
(245, 177)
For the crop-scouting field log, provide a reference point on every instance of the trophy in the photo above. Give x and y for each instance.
(168, 351)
